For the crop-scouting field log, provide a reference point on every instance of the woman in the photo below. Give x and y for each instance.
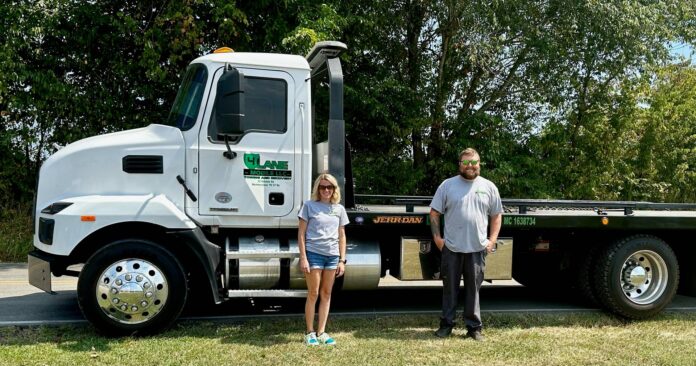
(322, 242)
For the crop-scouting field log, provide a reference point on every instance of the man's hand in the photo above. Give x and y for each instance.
(439, 242)
(490, 248)
(495, 223)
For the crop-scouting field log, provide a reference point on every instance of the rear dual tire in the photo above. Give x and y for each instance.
(583, 280)
(636, 277)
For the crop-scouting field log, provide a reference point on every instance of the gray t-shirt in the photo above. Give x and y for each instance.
(323, 220)
(466, 205)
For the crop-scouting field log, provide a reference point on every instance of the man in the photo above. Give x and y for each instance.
(467, 201)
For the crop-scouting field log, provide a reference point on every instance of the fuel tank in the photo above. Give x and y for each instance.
(265, 262)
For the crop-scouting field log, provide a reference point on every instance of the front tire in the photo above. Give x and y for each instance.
(637, 277)
(132, 287)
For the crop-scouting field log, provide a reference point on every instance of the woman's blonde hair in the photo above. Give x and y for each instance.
(335, 197)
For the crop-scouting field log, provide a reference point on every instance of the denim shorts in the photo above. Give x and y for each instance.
(319, 261)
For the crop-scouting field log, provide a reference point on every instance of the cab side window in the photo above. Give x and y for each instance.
(265, 108)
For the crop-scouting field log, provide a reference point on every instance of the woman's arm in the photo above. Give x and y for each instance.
(342, 250)
(301, 232)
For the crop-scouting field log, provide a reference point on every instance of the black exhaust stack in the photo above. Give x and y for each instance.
(324, 57)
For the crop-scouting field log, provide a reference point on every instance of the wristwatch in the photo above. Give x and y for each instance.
(344, 261)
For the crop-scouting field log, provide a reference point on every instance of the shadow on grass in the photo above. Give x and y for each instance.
(74, 338)
(423, 326)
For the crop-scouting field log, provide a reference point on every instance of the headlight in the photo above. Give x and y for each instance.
(56, 207)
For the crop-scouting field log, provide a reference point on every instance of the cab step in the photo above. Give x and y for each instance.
(267, 293)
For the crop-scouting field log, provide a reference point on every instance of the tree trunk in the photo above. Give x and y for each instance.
(415, 12)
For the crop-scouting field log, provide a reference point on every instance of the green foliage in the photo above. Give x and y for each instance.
(76, 69)
(562, 99)
(664, 153)
(316, 24)
(546, 91)
(639, 145)
(15, 233)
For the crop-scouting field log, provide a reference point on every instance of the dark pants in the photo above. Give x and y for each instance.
(453, 266)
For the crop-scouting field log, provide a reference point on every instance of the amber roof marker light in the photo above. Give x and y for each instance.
(223, 50)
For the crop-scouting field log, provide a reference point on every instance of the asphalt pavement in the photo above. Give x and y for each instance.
(22, 304)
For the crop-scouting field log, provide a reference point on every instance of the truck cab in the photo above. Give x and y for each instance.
(259, 175)
(208, 198)
(198, 169)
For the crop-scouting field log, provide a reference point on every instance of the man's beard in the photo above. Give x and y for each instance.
(469, 174)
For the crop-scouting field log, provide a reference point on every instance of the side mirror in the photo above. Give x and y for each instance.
(229, 103)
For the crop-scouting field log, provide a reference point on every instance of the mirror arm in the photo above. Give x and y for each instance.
(229, 153)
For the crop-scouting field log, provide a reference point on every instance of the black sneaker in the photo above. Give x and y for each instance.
(475, 334)
(443, 332)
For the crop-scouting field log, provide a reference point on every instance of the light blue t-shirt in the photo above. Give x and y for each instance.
(467, 205)
(323, 220)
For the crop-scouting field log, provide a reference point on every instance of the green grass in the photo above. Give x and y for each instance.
(531, 339)
(15, 234)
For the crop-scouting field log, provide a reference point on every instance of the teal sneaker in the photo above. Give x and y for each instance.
(311, 339)
(326, 339)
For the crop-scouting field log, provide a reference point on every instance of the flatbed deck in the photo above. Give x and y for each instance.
(540, 213)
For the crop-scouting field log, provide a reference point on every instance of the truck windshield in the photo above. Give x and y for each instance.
(188, 100)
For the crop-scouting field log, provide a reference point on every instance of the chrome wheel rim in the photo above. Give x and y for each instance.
(132, 291)
(644, 277)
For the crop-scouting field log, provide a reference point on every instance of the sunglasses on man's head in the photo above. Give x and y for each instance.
(328, 188)
(466, 162)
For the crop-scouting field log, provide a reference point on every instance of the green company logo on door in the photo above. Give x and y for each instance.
(270, 169)
(253, 161)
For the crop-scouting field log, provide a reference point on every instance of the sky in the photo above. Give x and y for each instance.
(684, 50)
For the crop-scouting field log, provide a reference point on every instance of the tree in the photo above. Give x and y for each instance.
(75, 69)
(539, 87)
(664, 156)
(441, 75)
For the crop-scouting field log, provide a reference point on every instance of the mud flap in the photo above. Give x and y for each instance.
(39, 273)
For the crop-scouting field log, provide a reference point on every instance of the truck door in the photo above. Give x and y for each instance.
(259, 179)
